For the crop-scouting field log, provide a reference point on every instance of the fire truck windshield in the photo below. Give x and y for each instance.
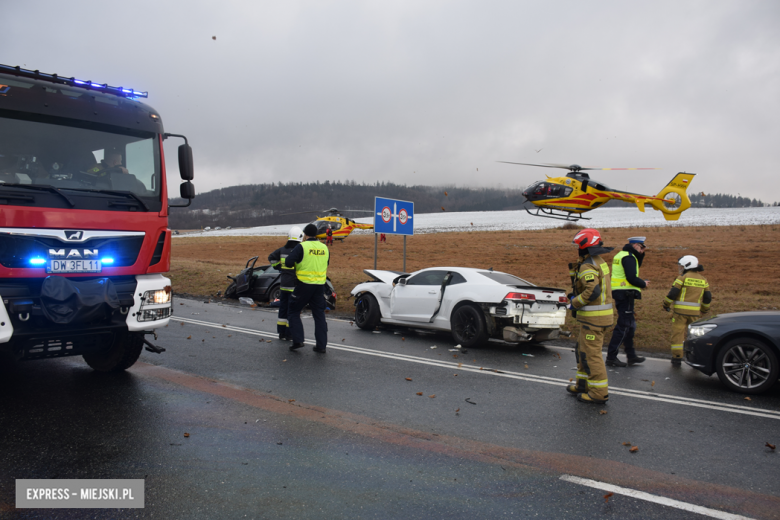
(101, 164)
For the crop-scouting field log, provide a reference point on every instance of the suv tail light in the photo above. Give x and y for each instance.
(520, 296)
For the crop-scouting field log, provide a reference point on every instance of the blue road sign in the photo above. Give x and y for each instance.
(393, 217)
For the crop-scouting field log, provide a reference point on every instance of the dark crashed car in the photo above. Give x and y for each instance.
(742, 347)
(263, 284)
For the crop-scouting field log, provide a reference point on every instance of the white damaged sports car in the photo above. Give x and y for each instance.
(475, 304)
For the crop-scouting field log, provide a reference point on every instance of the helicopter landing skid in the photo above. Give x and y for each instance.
(551, 213)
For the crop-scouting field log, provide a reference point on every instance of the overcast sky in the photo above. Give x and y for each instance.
(435, 92)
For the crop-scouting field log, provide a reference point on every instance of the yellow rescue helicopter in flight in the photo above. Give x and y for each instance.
(340, 225)
(568, 197)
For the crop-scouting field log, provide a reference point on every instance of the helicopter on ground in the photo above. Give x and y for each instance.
(568, 197)
(339, 224)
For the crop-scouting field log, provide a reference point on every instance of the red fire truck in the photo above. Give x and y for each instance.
(84, 238)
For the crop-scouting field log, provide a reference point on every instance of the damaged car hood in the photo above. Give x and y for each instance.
(383, 276)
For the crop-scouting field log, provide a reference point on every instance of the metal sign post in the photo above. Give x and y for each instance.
(393, 217)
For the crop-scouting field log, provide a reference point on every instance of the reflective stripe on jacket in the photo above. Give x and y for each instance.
(313, 269)
(594, 292)
(686, 295)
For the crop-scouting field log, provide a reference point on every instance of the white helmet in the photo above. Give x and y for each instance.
(688, 262)
(295, 234)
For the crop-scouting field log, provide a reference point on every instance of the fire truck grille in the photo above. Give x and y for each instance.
(16, 251)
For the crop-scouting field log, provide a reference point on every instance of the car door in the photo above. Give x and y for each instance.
(416, 301)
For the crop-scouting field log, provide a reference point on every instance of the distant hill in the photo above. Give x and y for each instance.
(268, 204)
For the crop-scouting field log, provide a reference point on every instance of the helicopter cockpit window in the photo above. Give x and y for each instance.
(322, 225)
(548, 190)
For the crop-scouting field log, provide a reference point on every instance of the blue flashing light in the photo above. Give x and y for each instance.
(37, 261)
(97, 85)
(107, 260)
(78, 81)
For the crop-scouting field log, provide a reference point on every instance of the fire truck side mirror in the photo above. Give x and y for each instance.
(187, 190)
(185, 163)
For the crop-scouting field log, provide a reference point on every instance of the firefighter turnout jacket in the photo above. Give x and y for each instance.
(277, 261)
(690, 295)
(310, 260)
(593, 291)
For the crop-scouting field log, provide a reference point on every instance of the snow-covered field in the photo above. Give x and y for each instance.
(520, 220)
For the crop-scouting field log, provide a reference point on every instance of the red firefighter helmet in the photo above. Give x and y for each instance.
(587, 238)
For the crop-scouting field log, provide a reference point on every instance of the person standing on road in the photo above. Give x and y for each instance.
(329, 236)
(287, 280)
(310, 259)
(591, 305)
(626, 287)
(689, 298)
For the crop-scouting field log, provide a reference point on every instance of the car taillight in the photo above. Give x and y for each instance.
(519, 296)
(563, 299)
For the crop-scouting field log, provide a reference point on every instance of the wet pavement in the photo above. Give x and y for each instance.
(280, 434)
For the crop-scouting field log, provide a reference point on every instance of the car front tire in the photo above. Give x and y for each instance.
(367, 312)
(747, 365)
(468, 326)
(274, 294)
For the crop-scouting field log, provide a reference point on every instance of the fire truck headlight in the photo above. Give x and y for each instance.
(158, 297)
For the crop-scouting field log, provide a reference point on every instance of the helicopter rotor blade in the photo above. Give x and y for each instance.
(620, 168)
(564, 166)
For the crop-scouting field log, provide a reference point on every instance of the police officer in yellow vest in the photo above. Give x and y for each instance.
(626, 287)
(310, 259)
(689, 298)
(287, 280)
(591, 305)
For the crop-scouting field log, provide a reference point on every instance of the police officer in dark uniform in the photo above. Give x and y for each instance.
(310, 259)
(287, 282)
(626, 287)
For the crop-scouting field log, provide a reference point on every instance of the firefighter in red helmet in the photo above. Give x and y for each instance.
(592, 307)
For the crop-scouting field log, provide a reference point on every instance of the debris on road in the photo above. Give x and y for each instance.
(189, 337)
(608, 496)
(408, 378)
(529, 355)
(770, 446)
(186, 434)
(432, 396)
(419, 393)
(468, 400)
(602, 412)
(634, 449)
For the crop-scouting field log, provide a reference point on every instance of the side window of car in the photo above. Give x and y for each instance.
(427, 278)
(457, 278)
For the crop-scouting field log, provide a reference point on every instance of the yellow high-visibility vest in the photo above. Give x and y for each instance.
(313, 269)
(619, 280)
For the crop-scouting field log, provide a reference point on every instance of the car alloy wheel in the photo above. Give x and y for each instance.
(747, 365)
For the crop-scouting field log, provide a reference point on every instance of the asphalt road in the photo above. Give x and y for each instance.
(280, 434)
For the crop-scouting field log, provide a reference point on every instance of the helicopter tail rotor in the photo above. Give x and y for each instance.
(673, 199)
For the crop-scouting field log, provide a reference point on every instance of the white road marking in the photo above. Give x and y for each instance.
(641, 495)
(639, 394)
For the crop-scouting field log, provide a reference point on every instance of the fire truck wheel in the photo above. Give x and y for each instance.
(120, 356)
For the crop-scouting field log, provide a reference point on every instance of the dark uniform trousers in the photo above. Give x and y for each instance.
(625, 328)
(313, 295)
(282, 321)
